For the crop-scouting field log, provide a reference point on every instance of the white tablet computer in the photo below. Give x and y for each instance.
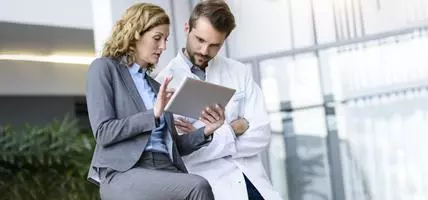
(192, 96)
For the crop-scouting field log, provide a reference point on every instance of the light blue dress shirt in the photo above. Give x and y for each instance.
(156, 141)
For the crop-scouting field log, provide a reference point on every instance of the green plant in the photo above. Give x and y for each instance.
(46, 163)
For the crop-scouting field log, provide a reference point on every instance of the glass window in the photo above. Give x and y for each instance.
(262, 27)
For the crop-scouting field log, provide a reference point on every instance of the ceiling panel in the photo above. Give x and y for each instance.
(37, 39)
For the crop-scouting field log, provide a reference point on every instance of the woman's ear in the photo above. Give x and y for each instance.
(137, 35)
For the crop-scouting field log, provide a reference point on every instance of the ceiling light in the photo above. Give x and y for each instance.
(83, 60)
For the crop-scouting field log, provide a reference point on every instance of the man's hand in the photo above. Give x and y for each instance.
(163, 97)
(239, 126)
(184, 126)
(213, 118)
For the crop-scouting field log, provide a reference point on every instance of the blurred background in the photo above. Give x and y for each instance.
(345, 83)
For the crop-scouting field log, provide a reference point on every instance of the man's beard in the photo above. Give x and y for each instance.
(192, 57)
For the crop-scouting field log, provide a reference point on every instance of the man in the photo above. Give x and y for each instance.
(231, 162)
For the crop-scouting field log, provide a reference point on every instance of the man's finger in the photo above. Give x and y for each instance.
(205, 115)
(187, 123)
(178, 122)
(183, 129)
(220, 110)
(182, 123)
(213, 113)
(183, 126)
(204, 120)
(184, 120)
(178, 125)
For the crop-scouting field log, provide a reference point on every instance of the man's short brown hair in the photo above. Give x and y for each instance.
(217, 12)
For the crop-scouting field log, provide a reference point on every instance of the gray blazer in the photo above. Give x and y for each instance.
(122, 125)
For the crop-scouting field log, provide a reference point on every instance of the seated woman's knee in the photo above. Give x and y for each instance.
(200, 183)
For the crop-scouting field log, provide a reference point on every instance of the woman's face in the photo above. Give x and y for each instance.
(151, 45)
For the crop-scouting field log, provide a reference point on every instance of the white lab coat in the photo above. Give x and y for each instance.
(223, 161)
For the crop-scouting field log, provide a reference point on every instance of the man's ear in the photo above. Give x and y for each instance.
(186, 28)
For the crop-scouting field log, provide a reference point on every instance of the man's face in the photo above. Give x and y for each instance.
(203, 42)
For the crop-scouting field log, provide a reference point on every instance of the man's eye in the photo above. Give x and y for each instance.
(157, 38)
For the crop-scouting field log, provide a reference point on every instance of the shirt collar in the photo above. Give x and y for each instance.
(135, 69)
(185, 58)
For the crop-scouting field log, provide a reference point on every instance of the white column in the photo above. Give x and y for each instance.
(102, 23)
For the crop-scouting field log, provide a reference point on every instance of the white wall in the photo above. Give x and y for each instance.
(62, 13)
(181, 16)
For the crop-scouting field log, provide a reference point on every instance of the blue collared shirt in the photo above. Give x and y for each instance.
(194, 69)
(157, 140)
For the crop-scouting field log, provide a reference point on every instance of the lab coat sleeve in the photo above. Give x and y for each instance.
(256, 139)
(222, 145)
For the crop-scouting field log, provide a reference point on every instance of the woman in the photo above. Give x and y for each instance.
(137, 155)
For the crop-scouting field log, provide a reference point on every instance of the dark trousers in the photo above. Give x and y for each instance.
(253, 193)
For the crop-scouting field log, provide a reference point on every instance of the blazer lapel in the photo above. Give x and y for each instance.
(153, 83)
(130, 85)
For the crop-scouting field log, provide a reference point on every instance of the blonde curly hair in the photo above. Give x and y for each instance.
(137, 20)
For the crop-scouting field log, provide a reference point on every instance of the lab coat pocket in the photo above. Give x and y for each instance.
(234, 107)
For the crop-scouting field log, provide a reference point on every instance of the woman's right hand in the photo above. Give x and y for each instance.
(163, 97)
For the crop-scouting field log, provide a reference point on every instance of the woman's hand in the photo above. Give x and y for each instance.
(163, 97)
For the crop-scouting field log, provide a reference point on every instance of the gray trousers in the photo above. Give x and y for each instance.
(153, 178)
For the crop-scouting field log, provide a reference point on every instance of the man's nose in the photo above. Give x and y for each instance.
(204, 50)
